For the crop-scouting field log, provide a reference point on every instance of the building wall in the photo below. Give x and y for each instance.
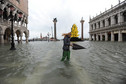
(22, 5)
(114, 26)
(20, 17)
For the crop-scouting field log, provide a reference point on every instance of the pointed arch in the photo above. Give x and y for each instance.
(7, 35)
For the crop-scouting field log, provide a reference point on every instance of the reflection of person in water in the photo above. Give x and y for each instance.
(66, 47)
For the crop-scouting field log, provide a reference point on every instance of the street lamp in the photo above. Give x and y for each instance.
(12, 34)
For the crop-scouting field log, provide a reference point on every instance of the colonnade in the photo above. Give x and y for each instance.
(117, 35)
(20, 22)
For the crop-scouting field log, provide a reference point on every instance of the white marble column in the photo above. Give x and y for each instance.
(97, 25)
(82, 22)
(1, 38)
(26, 39)
(112, 20)
(120, 36)
(112, 36)
(100, 37)
(90, 28)
(106, 22)
(106, 36)
(120, 18)
(96, 37)
(21, 37)
(1, 18)
(101, 24)
(90, 37)
(93, 26)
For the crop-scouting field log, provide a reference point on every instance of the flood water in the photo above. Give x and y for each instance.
(39, 63)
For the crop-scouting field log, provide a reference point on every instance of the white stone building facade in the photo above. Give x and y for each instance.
(109, 25)
(20, 16)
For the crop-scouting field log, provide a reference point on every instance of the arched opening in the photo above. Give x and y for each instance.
(25, 36)
(109, 21)
(116, 19)
(109, 36)
(116, 36)
(7, 35)
(95, 25)
(98, 37)
(124, 15)
(0, 34)
(99, 24)
(1, 13)
(18, 34)
(91, 38)
(5, 17)
(103, 22)
(124, 36)
(15, 17)
(94, 37)
(0, 30)
(103, 37)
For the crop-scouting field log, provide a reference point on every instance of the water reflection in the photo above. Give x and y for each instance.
(39, 63)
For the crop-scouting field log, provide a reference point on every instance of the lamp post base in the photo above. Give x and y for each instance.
(12, 46)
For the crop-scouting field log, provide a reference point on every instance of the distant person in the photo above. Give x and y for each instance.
(66, 47)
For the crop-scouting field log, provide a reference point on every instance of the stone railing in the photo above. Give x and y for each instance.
(110, 27)
(8, 23)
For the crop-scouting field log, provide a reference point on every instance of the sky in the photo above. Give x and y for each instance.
(67, 12)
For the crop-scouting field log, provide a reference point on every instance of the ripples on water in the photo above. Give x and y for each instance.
(39, 63)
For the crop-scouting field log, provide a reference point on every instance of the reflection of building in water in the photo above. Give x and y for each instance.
(109, 25)
(19, 9)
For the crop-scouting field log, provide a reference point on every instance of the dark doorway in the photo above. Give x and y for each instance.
(103, 37)
(124, 36)
(116, 37)
(98, 37)
(109, 36)
(116, 19)
(7, 35)
(95, 37)
(124, 15)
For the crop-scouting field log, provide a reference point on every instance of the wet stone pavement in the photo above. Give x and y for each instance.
(39, 63)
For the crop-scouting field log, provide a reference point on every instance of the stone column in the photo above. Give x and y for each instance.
(55, 20)
(112, 36)
(18, 39)
(82, 21)
(106, 22)
(120, 36)
(90, 37)
(2, 6)
(21, 37)
(1, 38)
(1, 16)
(96, 37)
(100, 37)
(106, 36)
(27, 39)
(96, 25)
(90, 28)
(120, 17)
(93, 26)
(101, 24)
(112, 20)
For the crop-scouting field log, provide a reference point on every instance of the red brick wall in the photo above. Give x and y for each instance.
(23, 5)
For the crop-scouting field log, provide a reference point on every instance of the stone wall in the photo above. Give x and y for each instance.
(22, 5)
